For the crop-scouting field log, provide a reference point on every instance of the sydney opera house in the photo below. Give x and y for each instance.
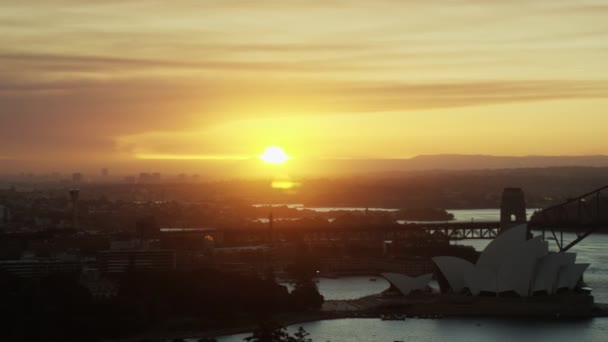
(405, 284)
(511, 265)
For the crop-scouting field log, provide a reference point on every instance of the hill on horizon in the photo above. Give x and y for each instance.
(462, 162)
(473, 161)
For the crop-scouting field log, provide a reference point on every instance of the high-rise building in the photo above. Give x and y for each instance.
(156, 176)
(4, 215)
(77, 177)
(144, 177)
(74, 195)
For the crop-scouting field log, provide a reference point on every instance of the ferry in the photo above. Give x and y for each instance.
(393, 317)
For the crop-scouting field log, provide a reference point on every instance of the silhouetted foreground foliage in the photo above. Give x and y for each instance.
(305, 295)
(59, 308)
(272, 332)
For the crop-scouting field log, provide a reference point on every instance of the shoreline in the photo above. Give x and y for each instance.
(420, 310)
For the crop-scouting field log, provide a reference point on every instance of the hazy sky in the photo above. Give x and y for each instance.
(102, 82)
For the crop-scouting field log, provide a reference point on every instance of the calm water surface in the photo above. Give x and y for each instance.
(345, 288)
(594, 250)
(450, 330)
(460, 215)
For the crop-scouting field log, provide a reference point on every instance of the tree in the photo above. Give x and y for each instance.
(301, 335)
(305, 295)
(269, 332)
(273, 332)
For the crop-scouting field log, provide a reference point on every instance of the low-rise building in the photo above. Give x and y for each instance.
(120, 261)
(39, 267)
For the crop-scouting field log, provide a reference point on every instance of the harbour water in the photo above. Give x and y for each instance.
(460, 215)
(452, 330)
(592, 250)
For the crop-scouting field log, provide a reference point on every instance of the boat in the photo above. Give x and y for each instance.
(393, 317)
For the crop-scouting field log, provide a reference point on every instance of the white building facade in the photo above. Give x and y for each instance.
(513, 264)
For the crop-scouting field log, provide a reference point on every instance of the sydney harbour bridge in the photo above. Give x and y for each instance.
(566, 224)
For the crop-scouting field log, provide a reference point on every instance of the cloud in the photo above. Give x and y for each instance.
(91, 117)
(80, 63)
(76, 77)
(403, 96)
(592, 8)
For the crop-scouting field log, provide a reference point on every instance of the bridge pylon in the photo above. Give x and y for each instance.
(512, 208)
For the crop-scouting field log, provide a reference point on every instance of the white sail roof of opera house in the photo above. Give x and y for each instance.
(512, 263)
(517, 271)
(406, 284)
(500, 248)
(455, 270)
(569, 276)
(548, 269)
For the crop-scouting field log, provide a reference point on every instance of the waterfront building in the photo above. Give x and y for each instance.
(122, 260)
(512, 264)
(40, 267)
(406, 284)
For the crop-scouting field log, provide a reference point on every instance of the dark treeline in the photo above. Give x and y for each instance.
(273, 332)
(283, 211)
(59, 308)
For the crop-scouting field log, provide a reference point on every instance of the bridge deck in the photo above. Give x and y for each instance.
(452, 231)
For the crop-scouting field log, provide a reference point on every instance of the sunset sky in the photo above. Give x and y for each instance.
(102, 83)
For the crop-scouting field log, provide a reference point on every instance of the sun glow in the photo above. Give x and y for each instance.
(162, 156)
(274, 155)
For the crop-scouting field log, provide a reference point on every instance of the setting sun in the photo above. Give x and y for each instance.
(274, 155)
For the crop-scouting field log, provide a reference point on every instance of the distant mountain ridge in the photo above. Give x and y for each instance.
(464, 162)
(457, 162)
